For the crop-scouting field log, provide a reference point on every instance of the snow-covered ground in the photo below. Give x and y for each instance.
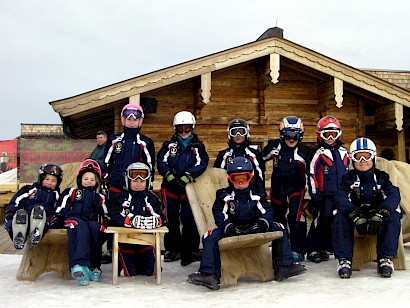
(318, 287)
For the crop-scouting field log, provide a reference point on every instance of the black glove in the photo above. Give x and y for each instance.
(377, 220)
(247, 229)
(359, 221)
(263, 225)
(229, 229)
(185, 179)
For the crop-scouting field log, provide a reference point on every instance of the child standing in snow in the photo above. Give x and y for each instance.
(139, 208)
(30, 209)
(84, 214)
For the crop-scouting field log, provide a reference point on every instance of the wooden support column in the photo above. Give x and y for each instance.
(401, 136)
(135, 99)
(117, 119)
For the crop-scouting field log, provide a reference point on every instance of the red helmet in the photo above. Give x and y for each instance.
(132, 110)
(328, 128)
(89, 165)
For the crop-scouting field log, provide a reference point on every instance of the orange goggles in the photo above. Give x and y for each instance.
(240, 177)
(362, 156)
(134, 174)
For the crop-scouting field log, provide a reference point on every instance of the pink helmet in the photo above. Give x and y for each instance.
(89, 165)
(132, 110)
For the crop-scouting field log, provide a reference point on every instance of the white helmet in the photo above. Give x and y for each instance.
(137, 170)
(362, 145)
(184, 118)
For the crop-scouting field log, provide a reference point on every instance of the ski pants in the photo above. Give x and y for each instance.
(319, 237)
(136, 259)
(343, 236)
(211, 258)
(84, 243)
(178, 209)
(295, 220)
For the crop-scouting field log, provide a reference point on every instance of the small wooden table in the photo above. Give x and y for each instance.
(136, 236)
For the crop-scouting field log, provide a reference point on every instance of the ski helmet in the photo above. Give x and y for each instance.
(363, 149)
(240, 169)
(51, 169)
(137, 170)
(238, 126)
(132, 110)
(328, 128)
(291, 127)
(89, 165)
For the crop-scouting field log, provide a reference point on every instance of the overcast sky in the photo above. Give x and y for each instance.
(52, 49)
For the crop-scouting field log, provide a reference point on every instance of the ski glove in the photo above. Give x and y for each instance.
(229, 229)
(359, 221)
(170, 177)
(144, 222)
(185, 179)
(376, 221)
(263, 225)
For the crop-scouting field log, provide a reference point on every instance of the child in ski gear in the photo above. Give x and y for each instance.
(329, 162)
(238, 210)
(29, 211)
(137, 208)
(180, 161)
(239, 145)
(121, 150)
(368, 203)
(83, 211)
(288, 181)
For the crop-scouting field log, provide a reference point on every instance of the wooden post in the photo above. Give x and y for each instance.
(401, 136)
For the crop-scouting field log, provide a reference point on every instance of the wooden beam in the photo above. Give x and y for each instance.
(401, 145)
(206, 80)
(135, 99)
(274, 67)
(338, 86)
(398, 113)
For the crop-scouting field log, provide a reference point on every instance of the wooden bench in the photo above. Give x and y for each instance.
(136, 236)
(51, 255)
(364, 251)
(240, 255)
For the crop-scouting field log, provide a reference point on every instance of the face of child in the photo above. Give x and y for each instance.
(238, 139)
(132, 122)
(88, 179)
(240, 180)
(184, 131)
(50, 181)
(138, 184)
(330, 141)
(363, 165)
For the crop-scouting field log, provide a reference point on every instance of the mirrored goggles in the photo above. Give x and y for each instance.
(184, 129)
(288, 135)
(53, 170)
(128, 113)
(332, 134)
(240, 177)
(242, 131)
(134, 174)
(363, 156)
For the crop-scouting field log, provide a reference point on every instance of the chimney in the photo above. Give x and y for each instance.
(271, 32)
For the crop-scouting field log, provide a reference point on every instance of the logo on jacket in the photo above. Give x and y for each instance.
(326, 170)
(275, 161)
(118, 147)
(232, 208)
(229, 160)
(173, 150)
(78, 195)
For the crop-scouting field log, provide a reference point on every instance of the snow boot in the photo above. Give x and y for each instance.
(325, 255)
(37, 223)
(293, 269)
(344, 268)
(315, 257)
(192, 257)
(19, 227)
(106, 257)
(385, 267)
(298, 256)
(81, 274)
(170, 256)
(95, 275)
(206, 280)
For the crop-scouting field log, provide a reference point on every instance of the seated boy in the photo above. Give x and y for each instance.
(237, 211)
(137, 207)
(369, 203)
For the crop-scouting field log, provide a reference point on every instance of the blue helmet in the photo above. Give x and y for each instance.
(291, 128)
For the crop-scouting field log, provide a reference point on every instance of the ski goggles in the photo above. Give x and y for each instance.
(240, 130)
(330, 134)
(134, 174)
(240, 177)
(184, 129)
(131, 112)
(363, 156)
(53, 170)
(290, 134)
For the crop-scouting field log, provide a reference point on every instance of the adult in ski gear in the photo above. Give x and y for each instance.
(368, 203)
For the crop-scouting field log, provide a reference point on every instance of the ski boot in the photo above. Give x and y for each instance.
(325, 255)
(192, 257)
(293, 269)
(344, 268)
(19, 227)
(298, 256)
(315, 257)
(37, 223)
(95, 275)
(106, 257)
(206, 280)
(81, 274)
(385, 267)
(170, 256)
